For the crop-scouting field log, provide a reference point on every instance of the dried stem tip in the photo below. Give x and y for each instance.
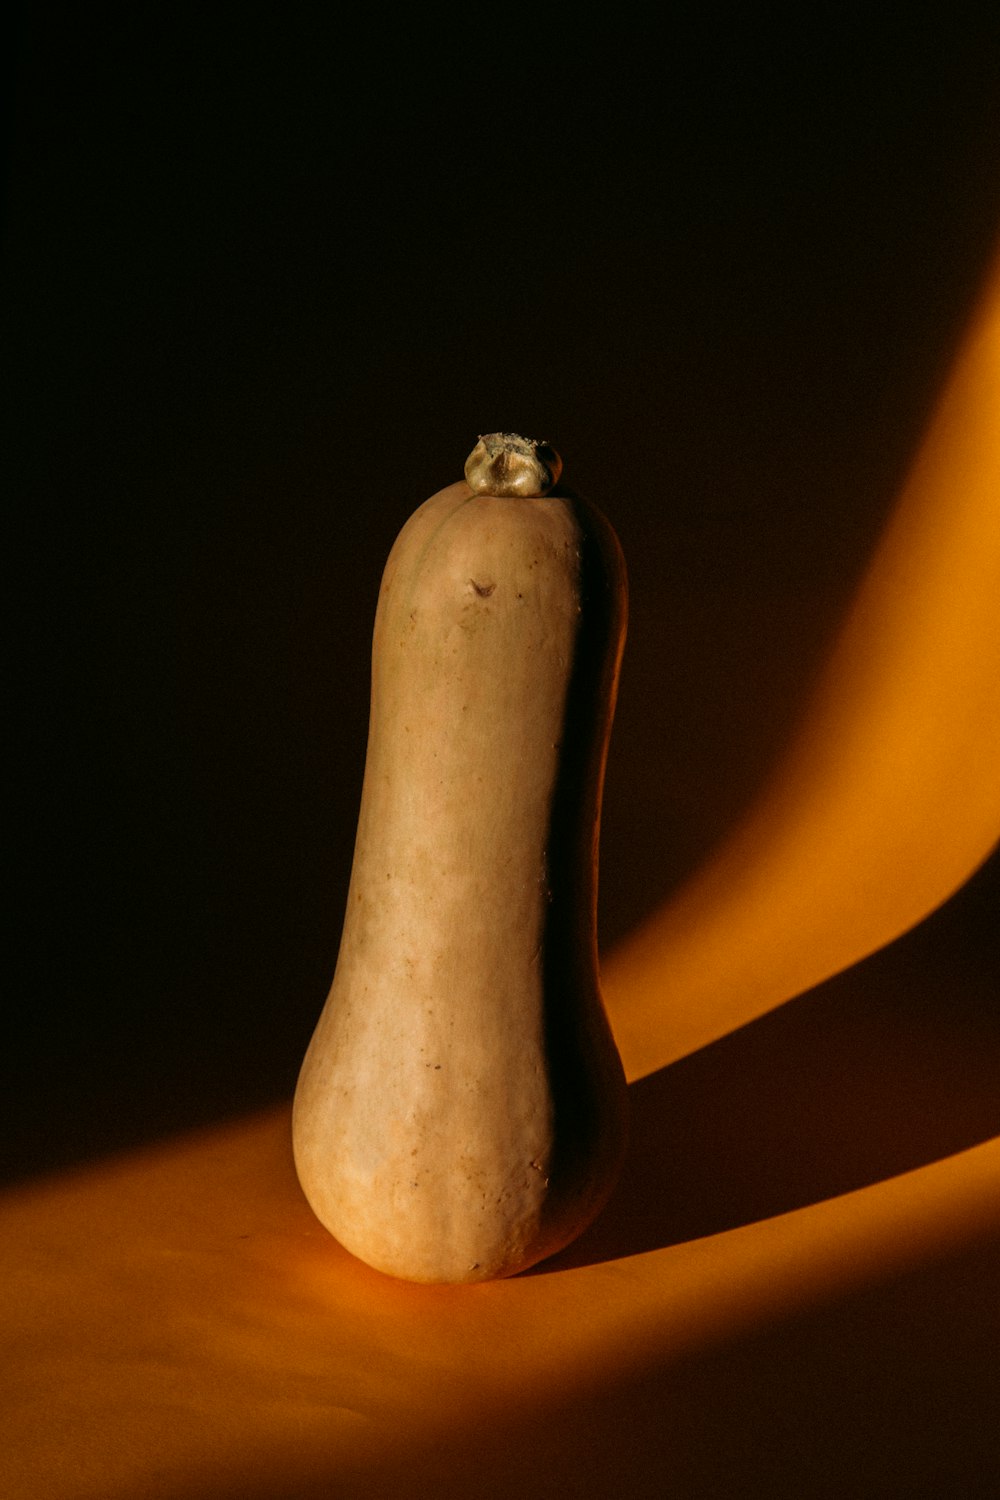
(502, 463)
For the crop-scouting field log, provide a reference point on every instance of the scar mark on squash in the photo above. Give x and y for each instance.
(484, 590)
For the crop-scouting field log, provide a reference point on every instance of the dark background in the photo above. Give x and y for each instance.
(268, 274)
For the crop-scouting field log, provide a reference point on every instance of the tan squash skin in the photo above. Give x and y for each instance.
(460, 1112)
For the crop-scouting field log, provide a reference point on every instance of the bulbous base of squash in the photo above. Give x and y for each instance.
(459, 1222)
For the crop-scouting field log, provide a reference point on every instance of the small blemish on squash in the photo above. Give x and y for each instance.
(484, 590)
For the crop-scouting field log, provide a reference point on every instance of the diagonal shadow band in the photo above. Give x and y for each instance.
(891, 1065)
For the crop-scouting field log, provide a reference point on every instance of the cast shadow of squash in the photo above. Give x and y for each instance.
(891, 1065)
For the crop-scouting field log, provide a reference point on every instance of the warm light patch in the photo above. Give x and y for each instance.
(177, 1324)
(888, 796)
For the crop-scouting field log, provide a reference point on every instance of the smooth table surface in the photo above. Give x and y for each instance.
(795, 1291)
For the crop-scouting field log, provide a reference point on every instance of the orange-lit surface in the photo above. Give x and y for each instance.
(794, 1290)
(180, 1325)
(889, 794)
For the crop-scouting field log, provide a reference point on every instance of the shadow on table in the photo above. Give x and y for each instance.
(890, 1391)
(889, 1066)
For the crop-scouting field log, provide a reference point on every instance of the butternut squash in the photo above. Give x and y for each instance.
(460, 1113)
